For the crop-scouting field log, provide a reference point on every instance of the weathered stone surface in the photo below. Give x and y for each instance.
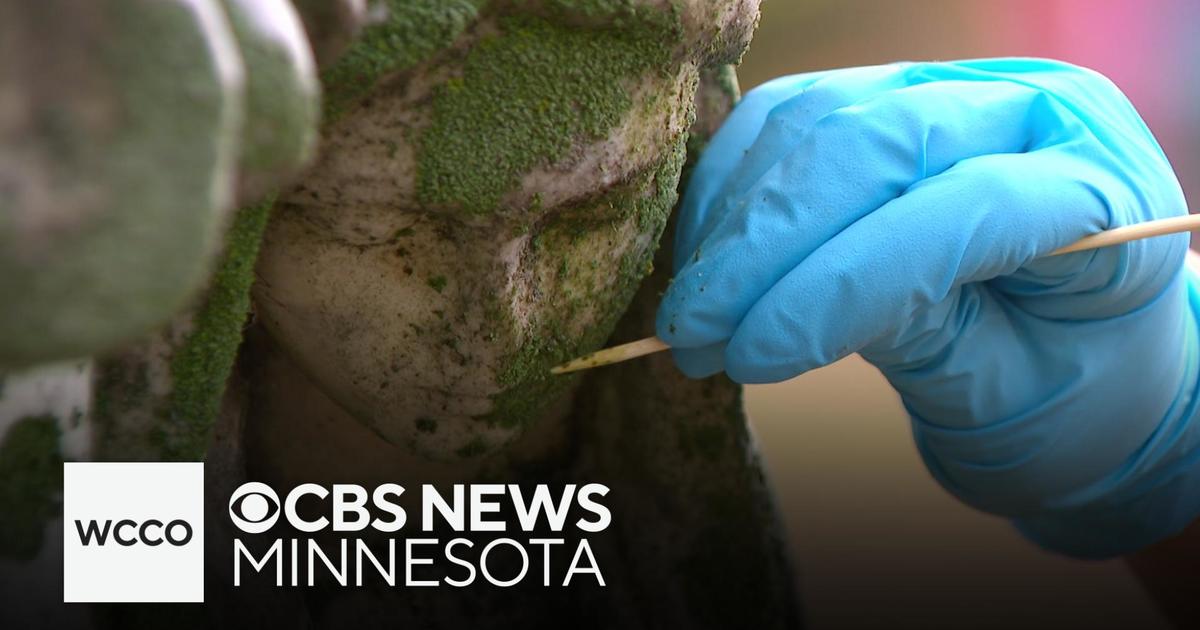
(115, 167)
(487, 199)
(488, 203)
(696, 541)
(282, 95)
(158, 399)
(44, 421)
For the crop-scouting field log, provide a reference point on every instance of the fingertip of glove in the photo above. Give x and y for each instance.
(746, 364)
(688, 319)
(700, 362)
(744, 372)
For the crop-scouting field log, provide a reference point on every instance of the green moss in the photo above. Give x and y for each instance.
(727, 81)
(695, 143)
(527, 383)
(118, 262)
(30, 479)
(476, 447)
(437, 283)
(122, 387)
(201, 366)
(529, 94)
(282, 102)
(413, 30)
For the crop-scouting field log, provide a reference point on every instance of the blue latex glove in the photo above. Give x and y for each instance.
(900, 212)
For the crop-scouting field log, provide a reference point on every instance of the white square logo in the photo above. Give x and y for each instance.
(133, 532)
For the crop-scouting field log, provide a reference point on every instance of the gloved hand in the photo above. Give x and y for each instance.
(900, 212)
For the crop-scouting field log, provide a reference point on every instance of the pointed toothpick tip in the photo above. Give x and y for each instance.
(615, 354)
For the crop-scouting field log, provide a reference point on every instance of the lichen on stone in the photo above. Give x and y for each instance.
(527, 386)
(411, 31)
(437, 283)
(203, 363)
(282, 103)
(534, 91)
(117, 170)
(30, 480)
(474, 448)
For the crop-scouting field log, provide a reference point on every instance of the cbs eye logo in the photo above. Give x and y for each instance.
(254, 507)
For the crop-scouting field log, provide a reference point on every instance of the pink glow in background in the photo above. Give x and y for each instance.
(1150, 48)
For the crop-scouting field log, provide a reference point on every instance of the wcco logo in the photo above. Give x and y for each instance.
(152, 532)
(133, 532)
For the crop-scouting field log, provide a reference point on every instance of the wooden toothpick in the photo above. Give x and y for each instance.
(615, 354)
(1115, 236)
(1135, 232)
